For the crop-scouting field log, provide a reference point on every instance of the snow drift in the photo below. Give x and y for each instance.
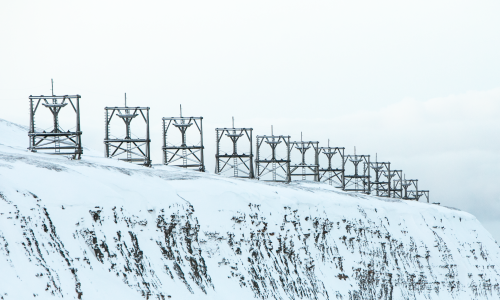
(104, 229)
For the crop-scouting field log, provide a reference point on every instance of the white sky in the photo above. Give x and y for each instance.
(418, 83)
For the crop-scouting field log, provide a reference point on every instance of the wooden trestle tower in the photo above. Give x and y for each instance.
(303, 168)
(334, 172)
(359, 181)
(275, 164)
(240, 163)
(177, 151)
(56, 140)
(395, 177)
(127, 147)
(381, 185)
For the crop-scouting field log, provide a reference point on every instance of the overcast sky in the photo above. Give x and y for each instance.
(417, 83)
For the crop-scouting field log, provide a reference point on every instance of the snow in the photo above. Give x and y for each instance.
(103, 229)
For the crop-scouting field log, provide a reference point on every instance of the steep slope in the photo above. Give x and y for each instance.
(103, 229)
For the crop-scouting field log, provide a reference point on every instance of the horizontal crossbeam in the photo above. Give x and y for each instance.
(55, 97)
(55, 133)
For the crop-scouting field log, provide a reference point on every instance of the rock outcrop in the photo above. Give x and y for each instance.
(102, 229)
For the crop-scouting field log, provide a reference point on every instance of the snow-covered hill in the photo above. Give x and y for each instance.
(103, 229)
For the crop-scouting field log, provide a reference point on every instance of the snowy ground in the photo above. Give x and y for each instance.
(103, 229)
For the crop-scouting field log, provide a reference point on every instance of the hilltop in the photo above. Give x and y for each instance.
(99, 228)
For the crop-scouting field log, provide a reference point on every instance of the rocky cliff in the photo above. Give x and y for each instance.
(103, 229)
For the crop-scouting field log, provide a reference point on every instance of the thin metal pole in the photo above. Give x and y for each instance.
(257, 164)
(201, 138)
(106, 133)
(389, 179)
(316, 161)
(164, 143)
(343, 170)
(251, 156)
(416, 189)
(369, 188)
(217, 154)
(148, 141)
(288, 176)
(78, 132)
(32, 125)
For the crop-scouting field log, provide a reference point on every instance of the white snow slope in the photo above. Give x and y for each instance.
(103, 229)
